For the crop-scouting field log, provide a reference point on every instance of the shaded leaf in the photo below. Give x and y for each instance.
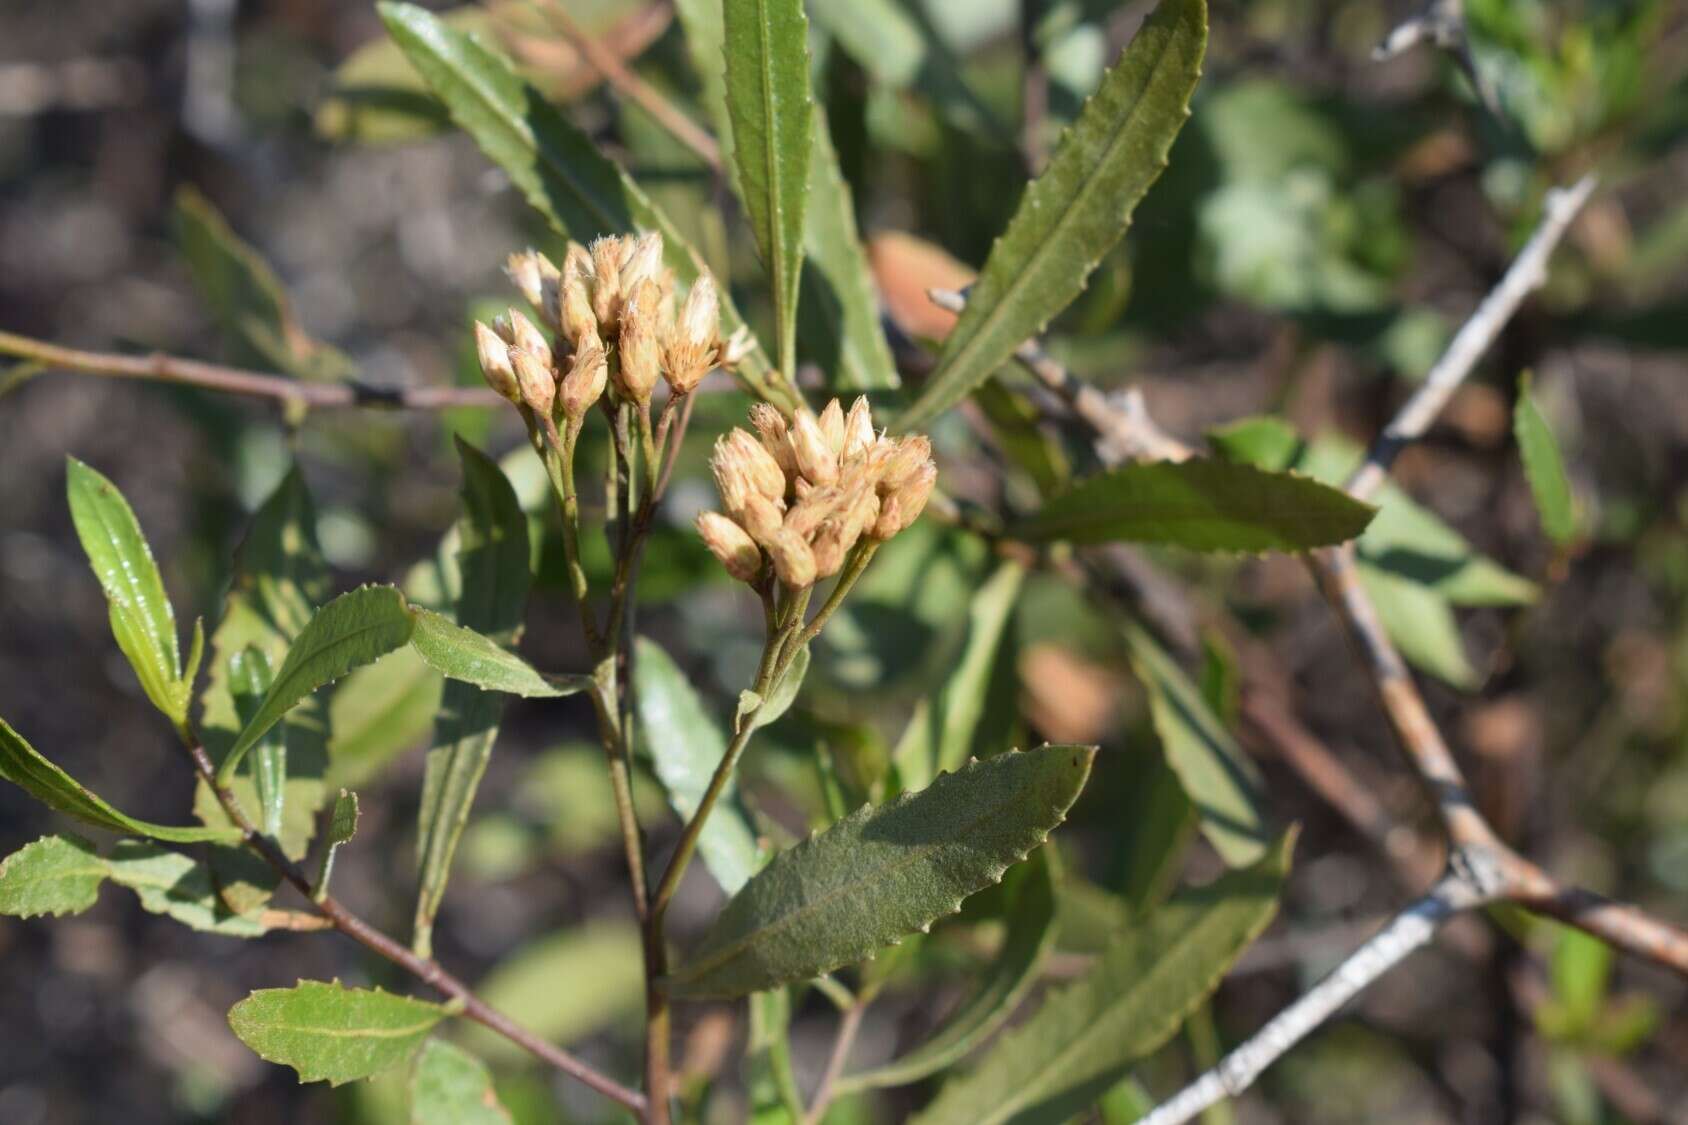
(884, 873)
(142, 619)
(1031, 934)
(780, 699)
(1221, 781)
(250, 678)
(1078, 208)
(331, 1033)
(769, 1079)
(24, 767)
(565, 986)
(377, 713)
(1543, 466)
(685, 746)
(1201, 505)
(449, 1086)
(182, 888)
(342, 826)
(52, 875)
(1086, 1036)
(1420, 622)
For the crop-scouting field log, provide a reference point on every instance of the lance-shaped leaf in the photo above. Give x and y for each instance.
(250, 678)
(331, 1033)
(883, 873)
(53, 875)
(354, 629)
(685, 746)
(493, 560)
(940, 733)
(142, 619)
(377, 713)
(24, 767)
(1220, 780)
(170, 883)
(556, 166)
(1086, 1035)
(768, 99)
(1201, 505)
(1543, 467)
(471, 657)
(1079, 207)
(279, 579)
(1031, 934)
(449, 1086)
(780, 698)
(342, 826)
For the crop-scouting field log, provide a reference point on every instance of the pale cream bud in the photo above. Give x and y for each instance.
(757, 465)
(816, 459)
(817, 504)
(644, 263)
(832, 427)
(575, 307)
(858, 430)
(760, 516)
(538, 384)
(794, 562)
(640, 352)
(494, 355)
(692, 342)
(731, 544)
(502, 329)
(776, 437)
(831, 542)
(905, 459)
(584, 384)
(902, 507)
(606, 283)
(524, 334)
(740, 344)
(538, 279)
(731, 477)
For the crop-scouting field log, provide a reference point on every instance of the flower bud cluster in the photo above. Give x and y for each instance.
(613, 323)
(804, 491)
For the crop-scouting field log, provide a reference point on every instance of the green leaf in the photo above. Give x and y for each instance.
(342, 826)
(940, 733)
(685, 746)
(24, 767)
(279, 578)
(1086, 1036)
(246, 296)
(1201, 505)
(331, 1033)
(449, 1086)
(53, 875)
(767, 47)
(377, 713)
(1221, 780)
(883, 873)
(250, 678)
(174, 885)
(354, 629)
(780, 699)
(493, 562)
(1031, 934)
(556, 166)
(770, 1083)
(464, 655)
(565, 986)
(141, 617)
(1078, 208)
(838, 311)
(1543, 467)
(1421, 623)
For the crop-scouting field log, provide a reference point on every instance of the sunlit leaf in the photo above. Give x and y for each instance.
(449, 1086)
(53, 875)
(330, 1033)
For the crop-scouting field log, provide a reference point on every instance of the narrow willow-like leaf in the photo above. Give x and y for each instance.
(24, 767)
(884, 873)
(1221, 781)
(685, 746)
(342, 826)
(462, 654)
(1543, 467)
(1079, 207)
(170, 883)
(142, 619)
(279, 579)
(780, 699)
(449, 1086)
(940, 733)
(556, 166)
(1086, 1035)
(493, 561)
(1031, 934)
(377, 713)
(250, 678)
(53, 875)
(330, 1033)
(767, 44)
(1200, 505)
(354, 629)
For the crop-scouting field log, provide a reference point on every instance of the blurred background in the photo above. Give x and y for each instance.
(1326, 222)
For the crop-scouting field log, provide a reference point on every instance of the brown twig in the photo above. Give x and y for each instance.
(160, 368)
(848, 1027)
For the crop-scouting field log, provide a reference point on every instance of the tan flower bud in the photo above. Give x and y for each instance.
(494, 355)
(816, 458)
(584, 384)
(819, 503)
(538, 384)
(524, 334)
(832, 427)
(538, 279)
(862, 509)
(760, 516)
(574, 311)
(501, 328)
(902, 507)
(904, 460)
(606, 283)
(794, 562)
(757, 464)
(831, 542)
(858, 430)
(644, 263)
(640, 345)
(692, 341)
(776, 436)
(731, 544)
(740, 344)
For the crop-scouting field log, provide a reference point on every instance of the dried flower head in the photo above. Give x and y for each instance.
(693, 341)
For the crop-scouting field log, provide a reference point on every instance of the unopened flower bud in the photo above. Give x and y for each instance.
(819, 503)
(524, 334)
(760, 516)
(502, 329)
(858, 430)
(692, 343)
(776, 436)
(606, 283)
(644, 263)
(538, 384)
(757, 464)
(537, 277)
(494, 355)
(731, 544)
(905, 459)
(740, 344)
(794, 562)
(584, 383)
(831, 542)
(574, 311)
(832, 427)
(902, 507)
(816, 459)
(640, 348)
